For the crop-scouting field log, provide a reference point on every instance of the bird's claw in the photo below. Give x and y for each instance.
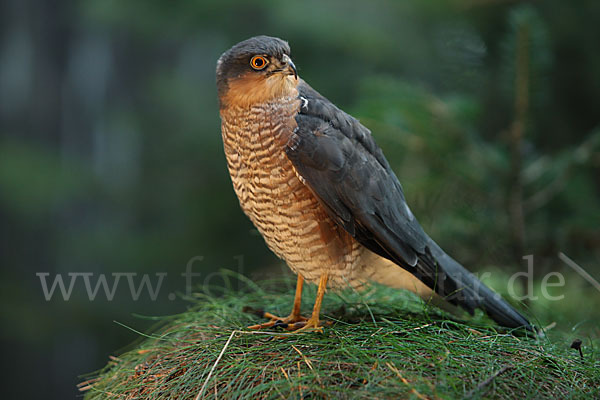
(309, 325)
(290, 323)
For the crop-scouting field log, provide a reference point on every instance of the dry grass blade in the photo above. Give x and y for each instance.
(406, 382)
(199, 396)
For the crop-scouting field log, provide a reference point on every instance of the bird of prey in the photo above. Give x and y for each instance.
(321, 193)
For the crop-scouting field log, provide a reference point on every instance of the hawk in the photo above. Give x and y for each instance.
(321, 193)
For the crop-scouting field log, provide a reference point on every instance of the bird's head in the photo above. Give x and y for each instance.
(254, 71)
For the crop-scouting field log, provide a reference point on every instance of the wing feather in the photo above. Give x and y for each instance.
(340, 162)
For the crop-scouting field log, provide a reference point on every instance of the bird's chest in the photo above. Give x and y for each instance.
(254, 140)
(284, 210)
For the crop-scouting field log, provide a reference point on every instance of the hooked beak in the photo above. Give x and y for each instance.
(290, 65)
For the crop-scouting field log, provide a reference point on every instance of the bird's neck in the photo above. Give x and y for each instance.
(247, 91)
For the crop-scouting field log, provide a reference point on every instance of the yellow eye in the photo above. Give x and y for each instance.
(258, 62)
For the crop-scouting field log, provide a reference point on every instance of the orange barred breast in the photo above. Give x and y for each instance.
(290, 218)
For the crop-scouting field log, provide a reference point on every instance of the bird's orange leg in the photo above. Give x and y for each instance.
(312, 324)
(291, 319)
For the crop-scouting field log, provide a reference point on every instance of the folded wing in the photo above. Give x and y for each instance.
(340, 162)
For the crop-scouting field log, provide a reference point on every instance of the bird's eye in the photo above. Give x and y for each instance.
(258, 62)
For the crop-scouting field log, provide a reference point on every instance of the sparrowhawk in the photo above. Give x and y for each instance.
(320, 191)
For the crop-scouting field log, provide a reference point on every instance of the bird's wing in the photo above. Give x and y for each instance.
(338, 159)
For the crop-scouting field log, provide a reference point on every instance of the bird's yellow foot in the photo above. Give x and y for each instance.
(295, 322)
(288, 323)
(310, 325)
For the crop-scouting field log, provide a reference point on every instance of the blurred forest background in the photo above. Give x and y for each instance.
(111, 157)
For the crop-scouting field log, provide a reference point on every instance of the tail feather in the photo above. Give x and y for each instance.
(462, 288)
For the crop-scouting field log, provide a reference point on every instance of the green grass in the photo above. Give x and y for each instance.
(383, 344)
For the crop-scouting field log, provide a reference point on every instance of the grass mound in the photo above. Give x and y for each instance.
(383, 344)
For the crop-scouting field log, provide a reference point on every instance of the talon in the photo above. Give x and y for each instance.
(280, 324)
